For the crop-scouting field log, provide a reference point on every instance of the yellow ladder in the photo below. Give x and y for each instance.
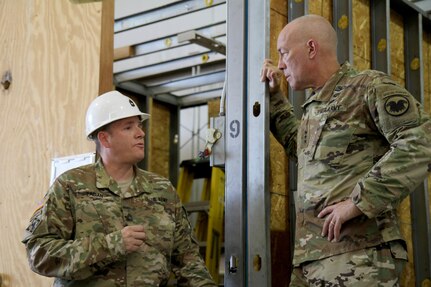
(209, 224)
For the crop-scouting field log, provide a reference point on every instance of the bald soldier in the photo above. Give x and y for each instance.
(111, 223)
(362, 145)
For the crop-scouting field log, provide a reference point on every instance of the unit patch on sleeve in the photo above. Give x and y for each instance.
(397, 105)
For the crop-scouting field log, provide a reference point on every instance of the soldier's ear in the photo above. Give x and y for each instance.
(104, 138)
(312, 46)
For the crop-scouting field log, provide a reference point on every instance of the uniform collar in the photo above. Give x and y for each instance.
(140, 183)
(325, 93)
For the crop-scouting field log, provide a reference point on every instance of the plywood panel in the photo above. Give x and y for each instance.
(361, 34)
(159, 147)
(106, 57)
(213, 108)
(398, 73)
(321, 7)
(280, 6)
(52, 49)
(397, 47)
(279, 167)
(280, 242)
(278, 21)
(279, 218)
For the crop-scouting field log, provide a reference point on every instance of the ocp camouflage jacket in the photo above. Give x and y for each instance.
(363, 137)
(76, 235)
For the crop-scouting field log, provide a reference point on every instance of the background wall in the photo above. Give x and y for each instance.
(158, 144)
(51, 48)
(279, 192)
(53, 51)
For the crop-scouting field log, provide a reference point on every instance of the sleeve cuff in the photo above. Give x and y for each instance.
(357, 199)
(115, 244)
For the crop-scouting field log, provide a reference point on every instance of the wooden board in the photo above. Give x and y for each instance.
(51, 48)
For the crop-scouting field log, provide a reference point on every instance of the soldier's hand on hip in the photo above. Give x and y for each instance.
(133, 237)
(336, 215)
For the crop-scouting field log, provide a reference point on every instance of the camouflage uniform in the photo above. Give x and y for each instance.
(76, 235)
(363, 137)
(374, 266)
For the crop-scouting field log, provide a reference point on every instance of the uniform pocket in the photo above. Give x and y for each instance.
(332, 144)
(309, 135)
(159, 225)
(97, 214)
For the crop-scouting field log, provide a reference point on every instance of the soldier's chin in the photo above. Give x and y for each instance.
(140, 158)
(293, 86)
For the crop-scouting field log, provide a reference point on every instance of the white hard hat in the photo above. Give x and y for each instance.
(109, 107)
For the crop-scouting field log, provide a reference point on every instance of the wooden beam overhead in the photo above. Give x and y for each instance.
(124, 53)
(106, 74)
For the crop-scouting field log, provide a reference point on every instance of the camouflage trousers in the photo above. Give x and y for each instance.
(376, 266)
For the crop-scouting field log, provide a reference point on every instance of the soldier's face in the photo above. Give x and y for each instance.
(126, 140)
(292, 60)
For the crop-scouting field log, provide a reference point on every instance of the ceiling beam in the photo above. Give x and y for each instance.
(161, 57)
(194, 81)
(214, 31)
(172, 26)
(143, 16)
(177, 75)
(198, 89)
(168, 67)
(199, 98)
